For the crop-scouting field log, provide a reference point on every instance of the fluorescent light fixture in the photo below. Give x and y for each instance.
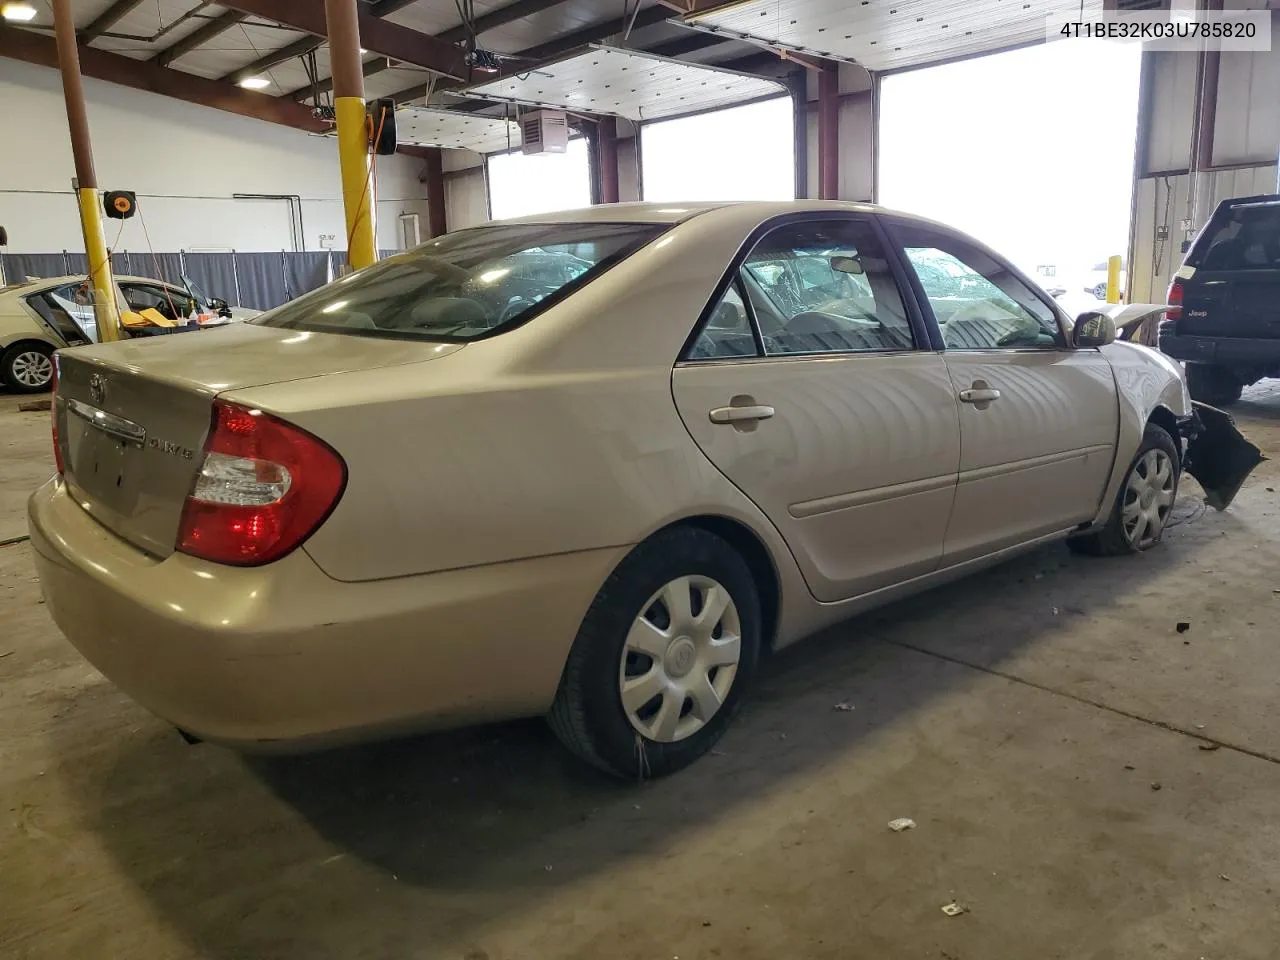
(18, 12)
(255, 83)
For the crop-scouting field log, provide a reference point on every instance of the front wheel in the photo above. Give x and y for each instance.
(27, 368)
(1144, 502)
(663, 657)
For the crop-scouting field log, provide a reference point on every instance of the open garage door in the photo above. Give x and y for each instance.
(739, 153)
(1030, 150)
(521, 185)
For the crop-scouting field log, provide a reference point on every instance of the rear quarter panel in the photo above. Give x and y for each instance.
(558, 436)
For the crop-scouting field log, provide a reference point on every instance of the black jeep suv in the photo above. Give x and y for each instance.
(1224, 302)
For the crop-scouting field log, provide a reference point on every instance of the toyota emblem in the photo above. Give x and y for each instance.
(97, 388)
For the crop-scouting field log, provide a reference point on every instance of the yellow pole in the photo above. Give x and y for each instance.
(95, 244)
(1113, 279)
(343, 21)
(357, 188)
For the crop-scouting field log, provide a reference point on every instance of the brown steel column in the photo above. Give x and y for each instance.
(607, 158)
(437, 222)
(829, 132)
(95, 244)
(343, 21)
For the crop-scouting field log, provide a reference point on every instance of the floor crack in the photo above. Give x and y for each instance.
(1161, 724)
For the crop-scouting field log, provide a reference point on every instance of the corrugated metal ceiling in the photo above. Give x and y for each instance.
(626, 83)
(889, 34)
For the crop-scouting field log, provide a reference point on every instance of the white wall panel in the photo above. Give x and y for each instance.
(466, 201)
(1172, 99)
(185, 162)
(1248, 119)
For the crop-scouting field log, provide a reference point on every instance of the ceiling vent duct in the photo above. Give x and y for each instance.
(544, 131)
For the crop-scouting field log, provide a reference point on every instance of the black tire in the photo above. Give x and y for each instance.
(1112, 540)
(16, 367)
(588, 713)
(1216, 386)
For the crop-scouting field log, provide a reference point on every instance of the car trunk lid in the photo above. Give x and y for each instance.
(132, 417)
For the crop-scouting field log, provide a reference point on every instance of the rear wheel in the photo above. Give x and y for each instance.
(1144, 502)
(1216, 386)
(27, 367)
(663, 657)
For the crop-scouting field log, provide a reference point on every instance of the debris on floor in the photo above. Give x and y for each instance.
(34, 406)
(954, 909)
(844, 706)
(1183, 626)
(902, 823)
(1156, 785)
(1210, 746)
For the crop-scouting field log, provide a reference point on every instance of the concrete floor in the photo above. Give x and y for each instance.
(1086, 781)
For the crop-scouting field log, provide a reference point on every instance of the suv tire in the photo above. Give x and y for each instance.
(1216, 386)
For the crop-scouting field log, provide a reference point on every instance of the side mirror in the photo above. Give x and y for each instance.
(1093, 329)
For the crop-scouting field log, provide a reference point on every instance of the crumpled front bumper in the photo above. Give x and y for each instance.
(1218, 455)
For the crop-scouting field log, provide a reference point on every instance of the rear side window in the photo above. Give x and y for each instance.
(465, 285)
(1244, 237)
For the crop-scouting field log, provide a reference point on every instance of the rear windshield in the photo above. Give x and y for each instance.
(465, 285)
(1245, 237)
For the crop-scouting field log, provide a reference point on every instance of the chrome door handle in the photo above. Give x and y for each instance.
(740, 414)
(979, 395)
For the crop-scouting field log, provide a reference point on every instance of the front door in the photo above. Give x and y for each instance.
(809, 388)
(1038, 419)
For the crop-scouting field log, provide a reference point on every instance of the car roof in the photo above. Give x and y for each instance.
(671, 213)
(48, 283)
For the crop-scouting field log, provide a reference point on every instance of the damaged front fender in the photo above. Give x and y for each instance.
(1218, 454)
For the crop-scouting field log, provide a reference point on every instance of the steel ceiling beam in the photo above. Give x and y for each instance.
(198, 37)
(369, 68)
(107, 19)
(377, 36)
(31, 47)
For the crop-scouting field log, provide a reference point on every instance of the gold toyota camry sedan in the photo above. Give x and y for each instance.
(586, 465)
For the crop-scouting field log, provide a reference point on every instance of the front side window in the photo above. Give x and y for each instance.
(979, 303)
(464, 285)
(825, 287)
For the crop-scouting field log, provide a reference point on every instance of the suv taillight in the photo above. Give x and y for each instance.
(53, 414)
(264, 486)
(1174, 299)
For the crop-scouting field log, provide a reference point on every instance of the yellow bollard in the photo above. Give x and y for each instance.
(100, 280)
(1113, 279)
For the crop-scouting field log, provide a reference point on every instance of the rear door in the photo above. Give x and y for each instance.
(1038, 419)
(811, 388)
(1235, 289)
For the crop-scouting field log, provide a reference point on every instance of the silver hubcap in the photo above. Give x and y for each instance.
(1148, 497)
(680, 659)
(32, 369)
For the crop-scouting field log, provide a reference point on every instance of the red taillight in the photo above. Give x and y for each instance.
(1174, 299)
(53, 413)
(263, 487)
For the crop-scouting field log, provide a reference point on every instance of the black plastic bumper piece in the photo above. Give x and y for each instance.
(1218, 454)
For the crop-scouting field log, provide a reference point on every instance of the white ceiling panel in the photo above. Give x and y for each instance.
(627, 83)
(234, 48)
(889, 34)
(444, 128)
(150, 27)
(437, 17)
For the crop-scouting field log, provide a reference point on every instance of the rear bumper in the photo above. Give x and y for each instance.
(1225, 351)
(283, 655)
